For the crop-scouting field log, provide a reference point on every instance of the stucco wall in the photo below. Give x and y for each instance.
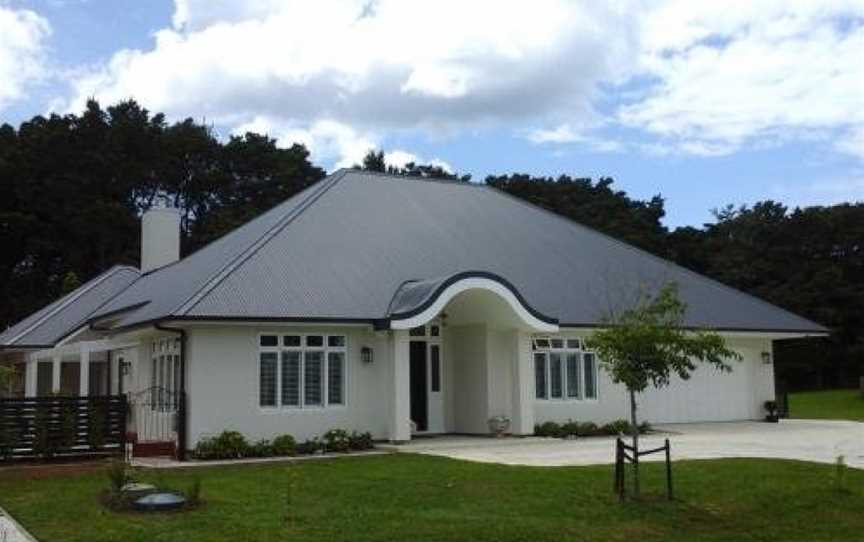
(707, 396)
(223, 386)
(470, 378)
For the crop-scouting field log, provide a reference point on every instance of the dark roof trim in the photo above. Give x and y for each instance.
(815, 332)
(453, 279)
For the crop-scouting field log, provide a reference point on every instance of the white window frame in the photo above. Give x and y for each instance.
(325, 349)
(546, 345)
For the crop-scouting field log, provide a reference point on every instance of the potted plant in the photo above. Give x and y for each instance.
(773, 415)
(498, 425)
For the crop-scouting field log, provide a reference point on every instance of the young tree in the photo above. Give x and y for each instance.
(648, 343)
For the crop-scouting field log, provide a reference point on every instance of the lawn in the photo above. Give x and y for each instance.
(827, 405)
(410, 497)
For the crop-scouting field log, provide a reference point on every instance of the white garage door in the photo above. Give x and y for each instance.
(709, 395)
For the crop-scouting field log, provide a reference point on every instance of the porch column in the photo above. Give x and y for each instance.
(30, 377)
(56, 360)
(400, 412)
(523, 392)
(84, 371)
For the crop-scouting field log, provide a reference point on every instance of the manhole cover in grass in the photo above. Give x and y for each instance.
(156, 502)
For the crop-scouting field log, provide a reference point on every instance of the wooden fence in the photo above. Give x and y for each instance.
(60, 427)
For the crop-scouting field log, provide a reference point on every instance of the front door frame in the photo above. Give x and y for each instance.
(431, 334)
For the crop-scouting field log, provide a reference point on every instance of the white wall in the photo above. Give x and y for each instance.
(469, 383)
(500, 349)
(222, 386)
(707, 396)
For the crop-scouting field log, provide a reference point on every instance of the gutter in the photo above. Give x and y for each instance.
(182, 419)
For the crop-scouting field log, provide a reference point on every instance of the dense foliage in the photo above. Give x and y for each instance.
(72, 188)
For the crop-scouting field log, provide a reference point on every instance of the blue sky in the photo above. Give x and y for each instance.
(704, 103)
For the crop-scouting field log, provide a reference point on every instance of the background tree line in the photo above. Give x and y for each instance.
(72, 189)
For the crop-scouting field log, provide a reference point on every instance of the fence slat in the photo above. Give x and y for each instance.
(46, 427)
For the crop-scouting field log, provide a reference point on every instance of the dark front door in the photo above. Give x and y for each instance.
(419, 388)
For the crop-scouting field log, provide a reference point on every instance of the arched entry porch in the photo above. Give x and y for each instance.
(461, 354)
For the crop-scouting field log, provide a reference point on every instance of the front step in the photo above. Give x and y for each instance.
(154, 449)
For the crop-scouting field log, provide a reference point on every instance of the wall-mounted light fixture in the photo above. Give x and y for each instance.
(766, 358)
(366, 355)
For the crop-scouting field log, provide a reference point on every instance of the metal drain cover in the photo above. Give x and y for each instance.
(156, 502)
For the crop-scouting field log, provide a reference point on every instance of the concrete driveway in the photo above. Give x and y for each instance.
(806, 440)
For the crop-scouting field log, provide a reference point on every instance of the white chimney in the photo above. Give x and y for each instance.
(160, 238)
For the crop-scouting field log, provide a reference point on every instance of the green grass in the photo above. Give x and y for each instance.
(408, 497)
(827, 405)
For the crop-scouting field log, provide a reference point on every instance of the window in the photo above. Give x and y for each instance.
(435, 367)
(563, 370)
(335, 377)
(291, 378)
(306, 371)
(573, 376)
(590, 376)
(313, 383)
(540, 375)
(556, 376)
(165, 374)
(267, 384)
(419, 331)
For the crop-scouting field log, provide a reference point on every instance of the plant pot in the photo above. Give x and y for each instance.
(499, 425)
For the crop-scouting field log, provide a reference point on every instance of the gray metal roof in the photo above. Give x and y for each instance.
(52, 323)
(365, 246)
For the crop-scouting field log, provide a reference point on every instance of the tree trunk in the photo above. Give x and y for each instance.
(634, 431)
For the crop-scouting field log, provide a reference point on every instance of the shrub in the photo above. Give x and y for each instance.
(569, 429)
(547, 429)
(644, 427)
(616, 427)
(118, 476)
(361, 441)
(588, 429)
(284, 445)
(227, 445)
(96, 425)
(260, 448)
(310, 446)
(336, 440)
(193, 494)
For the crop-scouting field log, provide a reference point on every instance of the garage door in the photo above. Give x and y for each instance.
(709, 395)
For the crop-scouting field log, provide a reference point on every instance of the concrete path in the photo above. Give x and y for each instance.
(11, 531)
(806, 440)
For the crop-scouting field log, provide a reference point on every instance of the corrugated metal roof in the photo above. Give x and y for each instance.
(50, 324)
(348, 254)
(344, 247)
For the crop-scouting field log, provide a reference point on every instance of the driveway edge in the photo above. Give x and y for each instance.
(18, 532)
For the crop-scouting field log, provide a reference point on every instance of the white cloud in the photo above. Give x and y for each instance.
(400, 158)
(22, 50)
(728, 77)
(565, 133)
(382, 66)
(674, 76)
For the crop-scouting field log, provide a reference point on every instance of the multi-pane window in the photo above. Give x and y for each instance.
(563, 369)
(297, 371)
(165, 374)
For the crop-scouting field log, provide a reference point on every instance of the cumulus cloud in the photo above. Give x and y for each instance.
(676, 76)
(374, 66)
(726, 77)
(22, 51)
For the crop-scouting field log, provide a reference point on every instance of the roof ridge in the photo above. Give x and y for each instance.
(401, 176)
(647, 253)
(188, 304)
(71, 297)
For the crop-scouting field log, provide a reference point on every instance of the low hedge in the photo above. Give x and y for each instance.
(572, 428)
(233, 445)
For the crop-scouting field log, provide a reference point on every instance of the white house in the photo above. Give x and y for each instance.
(368, 301)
